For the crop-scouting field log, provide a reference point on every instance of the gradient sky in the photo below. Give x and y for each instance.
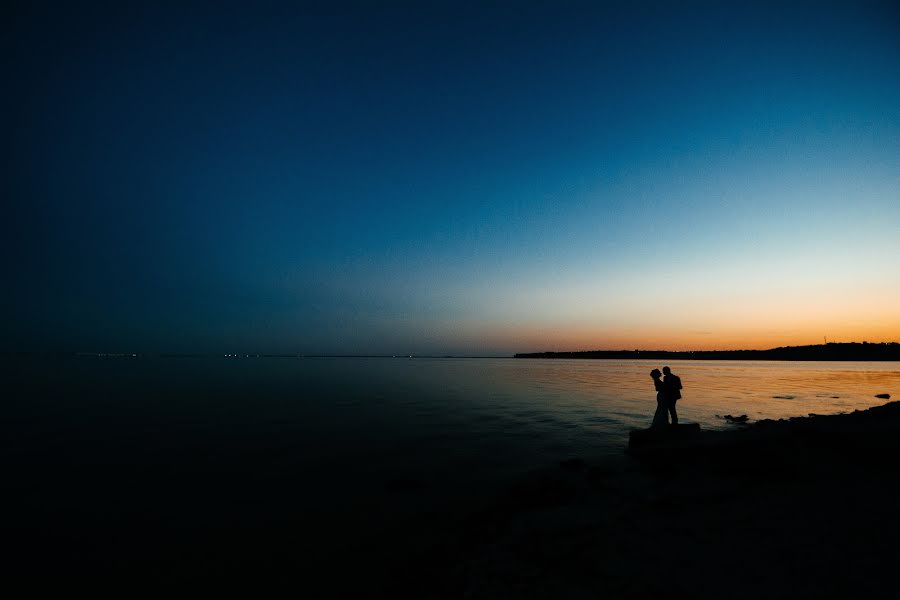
(450, 178)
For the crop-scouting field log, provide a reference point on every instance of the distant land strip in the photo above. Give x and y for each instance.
(830, 351)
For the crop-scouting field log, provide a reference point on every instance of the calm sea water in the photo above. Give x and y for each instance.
(194, 444)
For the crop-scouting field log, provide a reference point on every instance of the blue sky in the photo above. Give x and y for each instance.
(477, 178)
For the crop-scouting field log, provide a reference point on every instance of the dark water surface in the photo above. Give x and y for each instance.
(200, 466)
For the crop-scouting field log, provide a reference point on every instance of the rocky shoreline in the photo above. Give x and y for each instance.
(800, 507)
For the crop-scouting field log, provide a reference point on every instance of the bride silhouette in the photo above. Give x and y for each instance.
(661, 416)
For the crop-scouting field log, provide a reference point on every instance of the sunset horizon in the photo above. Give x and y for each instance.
(454, 179)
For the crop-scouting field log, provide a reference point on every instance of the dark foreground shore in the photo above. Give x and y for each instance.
(805, 507)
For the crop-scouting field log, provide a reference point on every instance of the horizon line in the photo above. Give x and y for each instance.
(413, 355)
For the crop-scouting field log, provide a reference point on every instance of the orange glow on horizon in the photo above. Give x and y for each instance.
(726, 310)
(751, 334)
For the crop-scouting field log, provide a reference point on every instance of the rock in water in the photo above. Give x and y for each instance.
(884, 396)
(733, 419)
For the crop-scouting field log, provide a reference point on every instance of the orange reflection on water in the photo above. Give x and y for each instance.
(612, 396)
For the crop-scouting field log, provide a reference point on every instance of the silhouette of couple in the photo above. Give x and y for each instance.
(668, 391)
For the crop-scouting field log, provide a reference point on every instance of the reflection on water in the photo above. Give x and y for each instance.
(445, 410)
(591, 404)
(202, 445)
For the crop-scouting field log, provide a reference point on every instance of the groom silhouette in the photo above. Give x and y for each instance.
(672, 385)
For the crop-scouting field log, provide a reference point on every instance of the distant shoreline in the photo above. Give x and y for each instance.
(854, 351)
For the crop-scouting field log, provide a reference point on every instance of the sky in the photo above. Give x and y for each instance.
(467, 178)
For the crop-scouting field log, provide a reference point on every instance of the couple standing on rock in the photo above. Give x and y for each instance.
(668, 391)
